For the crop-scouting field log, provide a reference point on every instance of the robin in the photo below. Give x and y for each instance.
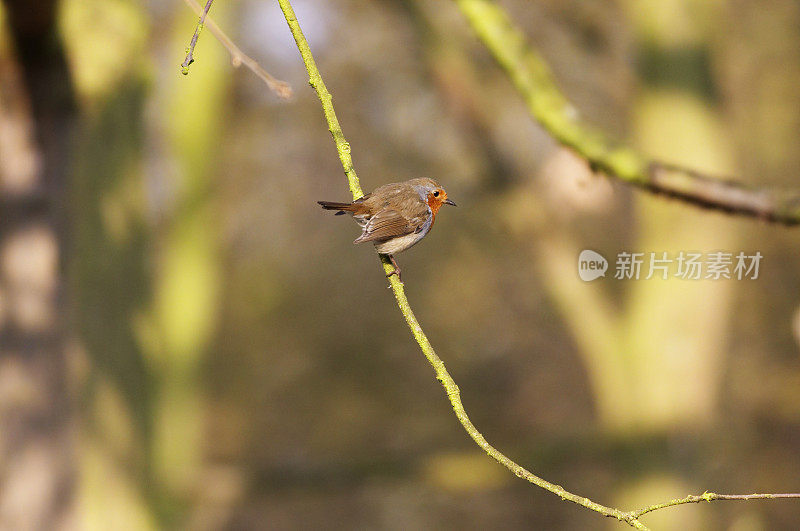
(395, 216)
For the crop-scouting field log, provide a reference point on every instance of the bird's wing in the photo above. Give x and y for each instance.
(389, 223)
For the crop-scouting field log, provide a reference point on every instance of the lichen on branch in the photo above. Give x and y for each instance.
(442, 375)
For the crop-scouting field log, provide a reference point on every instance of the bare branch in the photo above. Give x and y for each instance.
(190, 49)
(533, 80)
(709, 497)
(723, 194)
(281, 88)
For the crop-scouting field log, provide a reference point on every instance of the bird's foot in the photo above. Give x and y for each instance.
(396, 270)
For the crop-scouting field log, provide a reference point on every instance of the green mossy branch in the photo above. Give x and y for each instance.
(555, 111)
(709, 497)
(533, 80)
(315, 80)
(453, 393)
(531, 76)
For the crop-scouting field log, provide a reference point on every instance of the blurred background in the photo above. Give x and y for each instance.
(188, 342)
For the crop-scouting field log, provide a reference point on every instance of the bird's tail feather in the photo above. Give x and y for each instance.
(341, 207)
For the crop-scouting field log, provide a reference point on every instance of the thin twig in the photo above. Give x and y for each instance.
(453, 393)
(709, 497)
(190, 50)
(534, 81)
(281, 88)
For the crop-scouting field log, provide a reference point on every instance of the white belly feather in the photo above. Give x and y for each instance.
(399, 244)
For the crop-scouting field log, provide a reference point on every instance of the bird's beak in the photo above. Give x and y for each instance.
(449, 202)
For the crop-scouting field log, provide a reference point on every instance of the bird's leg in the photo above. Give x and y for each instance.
(396, 269)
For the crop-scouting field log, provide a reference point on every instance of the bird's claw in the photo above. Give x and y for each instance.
(395, 271)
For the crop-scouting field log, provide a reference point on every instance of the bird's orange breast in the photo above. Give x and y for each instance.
(435, 204)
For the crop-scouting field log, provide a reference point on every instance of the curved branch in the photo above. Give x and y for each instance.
(281, 88)
(533, 80)
(453, 393)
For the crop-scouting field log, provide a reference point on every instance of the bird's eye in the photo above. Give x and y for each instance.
(436, 193)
